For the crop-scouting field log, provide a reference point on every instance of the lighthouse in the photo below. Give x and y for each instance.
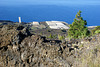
(19, 19)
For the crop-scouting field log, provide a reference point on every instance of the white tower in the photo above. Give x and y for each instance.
(19, 19)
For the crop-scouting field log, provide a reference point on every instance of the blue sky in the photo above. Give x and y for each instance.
(49, 2)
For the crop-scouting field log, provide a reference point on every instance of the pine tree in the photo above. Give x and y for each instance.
(78, 28)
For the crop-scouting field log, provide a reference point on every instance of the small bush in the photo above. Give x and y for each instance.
(61, 37)
(52, 36)
(96, 30)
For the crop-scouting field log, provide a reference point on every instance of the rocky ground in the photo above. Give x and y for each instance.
(20, 48)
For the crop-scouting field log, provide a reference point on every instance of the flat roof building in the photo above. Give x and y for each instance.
(57, 25)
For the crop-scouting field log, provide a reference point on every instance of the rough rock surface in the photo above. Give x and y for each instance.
(18, 48)
(12, 35)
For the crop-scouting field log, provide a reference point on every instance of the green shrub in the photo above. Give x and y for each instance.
(96, 30)
(50, 36)
(61, 37)
(78, 28)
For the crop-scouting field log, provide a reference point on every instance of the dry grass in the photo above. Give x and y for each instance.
(90, 57)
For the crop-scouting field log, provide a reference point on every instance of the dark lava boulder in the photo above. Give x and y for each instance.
(10, 35)
(18, 48)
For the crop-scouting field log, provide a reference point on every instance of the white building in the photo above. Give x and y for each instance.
(56, 25)
(35, 23)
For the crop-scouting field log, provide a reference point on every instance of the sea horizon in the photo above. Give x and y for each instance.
(40, 13)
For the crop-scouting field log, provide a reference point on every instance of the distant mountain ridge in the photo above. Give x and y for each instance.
(5, 21)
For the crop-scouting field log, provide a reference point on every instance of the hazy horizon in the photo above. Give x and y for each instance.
(51, 2)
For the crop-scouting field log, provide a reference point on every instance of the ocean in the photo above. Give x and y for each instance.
(43, 13)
